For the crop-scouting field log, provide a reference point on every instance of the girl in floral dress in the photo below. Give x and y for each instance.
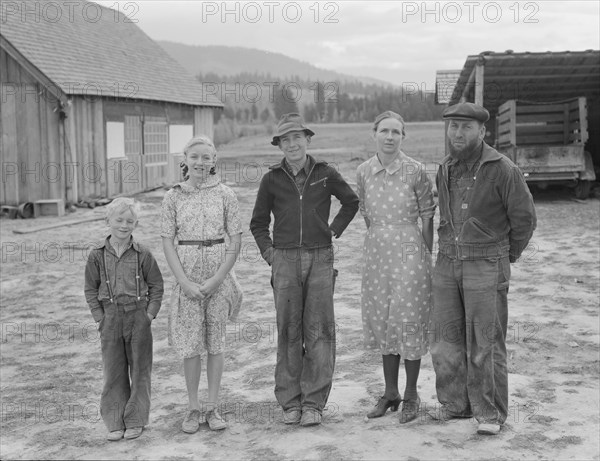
(394, 191)
(197, 215)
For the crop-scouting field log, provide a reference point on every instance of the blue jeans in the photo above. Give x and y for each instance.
(468, 336)
(126, 340)
(303, 282)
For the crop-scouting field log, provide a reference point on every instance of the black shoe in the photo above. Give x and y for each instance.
(410, 410)
(382, 407)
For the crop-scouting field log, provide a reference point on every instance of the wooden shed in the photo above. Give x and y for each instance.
(496, 80)
(91, 106)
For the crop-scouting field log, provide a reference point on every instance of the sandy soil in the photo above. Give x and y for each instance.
(52, 372)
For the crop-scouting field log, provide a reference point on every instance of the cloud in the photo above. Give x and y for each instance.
(379, 37)
(334, 47)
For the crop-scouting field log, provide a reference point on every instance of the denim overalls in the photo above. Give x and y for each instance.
(126, 340)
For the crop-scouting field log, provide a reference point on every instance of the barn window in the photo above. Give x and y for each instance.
(156, 140)
(133, 135)
(179, 135)
(115, 140)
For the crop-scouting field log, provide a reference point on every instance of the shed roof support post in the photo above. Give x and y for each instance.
(476, 80)
(464, 97)
(479, 80)
(512, 121)
(583, 119)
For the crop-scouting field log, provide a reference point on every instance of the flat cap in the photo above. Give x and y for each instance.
(466, 111)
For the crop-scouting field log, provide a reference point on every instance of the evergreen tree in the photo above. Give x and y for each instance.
(320, 102)
(265, 115)
(310, 112)
(351, 101)
(284, 102)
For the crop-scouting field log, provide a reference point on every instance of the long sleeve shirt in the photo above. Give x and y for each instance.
(122, 278)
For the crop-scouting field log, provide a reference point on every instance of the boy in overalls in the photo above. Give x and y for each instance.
(124, 289)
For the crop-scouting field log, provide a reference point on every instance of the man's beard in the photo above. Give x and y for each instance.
(465, 152)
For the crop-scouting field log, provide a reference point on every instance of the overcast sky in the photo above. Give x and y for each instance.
(396, 41)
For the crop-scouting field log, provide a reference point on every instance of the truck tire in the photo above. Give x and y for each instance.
(582, 189)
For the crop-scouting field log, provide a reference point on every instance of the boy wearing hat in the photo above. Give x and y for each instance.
(297, 192)
(487, 217)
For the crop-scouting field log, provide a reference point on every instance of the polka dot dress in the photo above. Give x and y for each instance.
(396, 283)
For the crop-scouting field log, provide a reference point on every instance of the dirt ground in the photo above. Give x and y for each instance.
(51, 370)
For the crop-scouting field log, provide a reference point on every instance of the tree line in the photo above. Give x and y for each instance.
(260, 99)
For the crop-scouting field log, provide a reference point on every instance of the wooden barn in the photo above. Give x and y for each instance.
(91, 106)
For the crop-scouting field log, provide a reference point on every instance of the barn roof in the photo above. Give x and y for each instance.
(87, 49)
(538, 77)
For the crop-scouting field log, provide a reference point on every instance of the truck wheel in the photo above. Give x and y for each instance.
(582, 189)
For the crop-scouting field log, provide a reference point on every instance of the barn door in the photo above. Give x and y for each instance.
(130, 171)
(155, 152)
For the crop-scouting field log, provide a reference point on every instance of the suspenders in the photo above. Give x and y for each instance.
(137, 276)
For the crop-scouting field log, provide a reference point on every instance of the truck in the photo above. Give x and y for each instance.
(546, 140)
(544, 111)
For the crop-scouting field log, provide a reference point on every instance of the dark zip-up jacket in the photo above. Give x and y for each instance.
(301, 218)
(501, 214)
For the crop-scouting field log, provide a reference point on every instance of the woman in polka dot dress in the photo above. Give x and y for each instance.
(394, 191)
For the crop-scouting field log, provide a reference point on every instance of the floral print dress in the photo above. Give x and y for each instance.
(396, 285)
(206, 212)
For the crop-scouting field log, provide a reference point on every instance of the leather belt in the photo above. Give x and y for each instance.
(201, 243)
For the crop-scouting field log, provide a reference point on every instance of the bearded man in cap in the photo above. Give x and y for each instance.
(487, 218)
(297, 192)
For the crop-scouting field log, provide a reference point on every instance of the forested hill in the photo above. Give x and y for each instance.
(231, 60)
(258, 86)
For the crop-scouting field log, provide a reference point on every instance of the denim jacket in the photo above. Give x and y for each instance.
(122, 275)
(501, 217)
